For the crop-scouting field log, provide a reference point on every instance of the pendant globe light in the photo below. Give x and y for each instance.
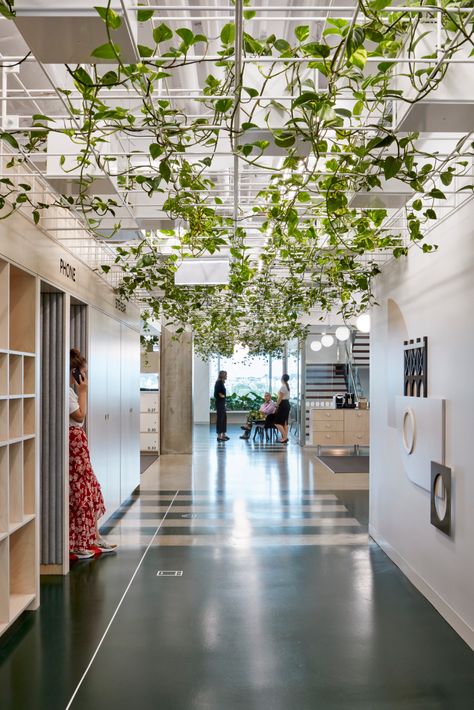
(327, 340)
(342, 333)
(363, 323)
(315, 345)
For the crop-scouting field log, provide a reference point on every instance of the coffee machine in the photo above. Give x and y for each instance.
(349, 400)
(338, 401)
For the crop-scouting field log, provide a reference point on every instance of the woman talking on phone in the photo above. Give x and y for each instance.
(86, 503)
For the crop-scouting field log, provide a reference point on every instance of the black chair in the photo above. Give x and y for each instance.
(259, 430)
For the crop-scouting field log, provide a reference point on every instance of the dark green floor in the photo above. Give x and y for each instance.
(291, 627)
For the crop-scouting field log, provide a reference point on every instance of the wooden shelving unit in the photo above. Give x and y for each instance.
(19, 566)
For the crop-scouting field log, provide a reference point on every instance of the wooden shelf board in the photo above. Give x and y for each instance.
(16, 526)
(19, 352)
(15, 396)
(27, 437)
(3, 536)
(28, 396)
(18, 604)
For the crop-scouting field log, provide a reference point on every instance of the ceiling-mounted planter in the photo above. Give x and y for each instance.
(202, 272)
(64, 174)
(447, 109)
(393, 194)
(68, 31)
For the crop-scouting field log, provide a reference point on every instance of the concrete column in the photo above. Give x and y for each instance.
(176, 396)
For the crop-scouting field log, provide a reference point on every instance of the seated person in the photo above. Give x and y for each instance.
(265, 413)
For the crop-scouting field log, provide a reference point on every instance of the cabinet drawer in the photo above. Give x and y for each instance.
(327, 425)
(328, 438)
(324, 415)
(149, 402)
(148, 423)
(356, 420)
(352, 438)
(149, 442)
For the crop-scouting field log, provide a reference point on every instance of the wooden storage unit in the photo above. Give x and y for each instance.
(340, 427)
(19, 568)
(16, 375)
(3, 420)
(149, 422)
(3, 375)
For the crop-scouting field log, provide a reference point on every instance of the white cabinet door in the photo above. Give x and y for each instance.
(97, 412)
(104, 405)
(130, 411)
(113, 412)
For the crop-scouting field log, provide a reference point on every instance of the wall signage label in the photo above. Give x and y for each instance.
(120, 305)
(67, 270)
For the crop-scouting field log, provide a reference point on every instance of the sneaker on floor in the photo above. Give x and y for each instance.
(103, 547)
(81, 554)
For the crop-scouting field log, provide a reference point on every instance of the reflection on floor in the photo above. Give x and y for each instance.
(283, 602)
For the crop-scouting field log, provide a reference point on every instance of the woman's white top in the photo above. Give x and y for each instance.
(73, 407)
(284, 392)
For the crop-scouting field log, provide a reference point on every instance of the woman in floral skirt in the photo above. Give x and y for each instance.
(86, 503)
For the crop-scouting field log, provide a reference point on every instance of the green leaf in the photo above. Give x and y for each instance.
(437, 194)
(110, 17)
(165, 170)
(417, 205)
(162, 33)
(391, 166)
(41, 117)
(249, 14)
(431, 214)
(355, 39)
(283, 139)
(36, 216)
(359, 58)
(223, 105)
(106, 51)
(186, 35)
(358, 107)
(155, 150)
(105, 268)
(11, 140)
(250, 91)
(144, 15)
(304, 197)
(281, 45)
(144, 51)
(302, 32)
(228, 33)
(315, 49)
(446, 178)
(343, 112)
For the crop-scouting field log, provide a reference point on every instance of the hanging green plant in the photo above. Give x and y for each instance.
(328, 137)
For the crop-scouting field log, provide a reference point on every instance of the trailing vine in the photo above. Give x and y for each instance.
(335, 134)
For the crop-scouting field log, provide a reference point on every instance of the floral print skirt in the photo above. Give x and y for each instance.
(86, 502)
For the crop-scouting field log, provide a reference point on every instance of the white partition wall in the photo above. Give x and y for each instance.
(433, 296)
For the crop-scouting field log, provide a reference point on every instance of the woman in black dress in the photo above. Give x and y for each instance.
(219, 396)
(283, 409)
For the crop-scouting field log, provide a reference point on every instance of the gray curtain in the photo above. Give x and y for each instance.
(79, 327)
(52, 428)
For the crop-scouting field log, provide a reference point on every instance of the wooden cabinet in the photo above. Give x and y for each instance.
(19, 561)
(340, 427)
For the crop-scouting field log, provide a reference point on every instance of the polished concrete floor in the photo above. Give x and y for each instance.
(274, 599)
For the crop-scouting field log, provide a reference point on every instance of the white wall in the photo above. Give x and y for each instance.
(429, 295)
(200, 391)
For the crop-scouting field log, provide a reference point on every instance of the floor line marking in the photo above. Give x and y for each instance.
(118, 607)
